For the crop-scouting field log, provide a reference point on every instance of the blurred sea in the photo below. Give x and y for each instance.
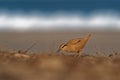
(59, 14)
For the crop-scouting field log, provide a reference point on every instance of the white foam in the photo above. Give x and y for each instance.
(59, 20)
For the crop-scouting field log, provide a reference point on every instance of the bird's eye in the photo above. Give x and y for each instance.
(63, 46)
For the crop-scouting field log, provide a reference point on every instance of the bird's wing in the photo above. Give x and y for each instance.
(74, 41)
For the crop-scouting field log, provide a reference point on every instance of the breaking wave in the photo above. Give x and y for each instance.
(59, 20)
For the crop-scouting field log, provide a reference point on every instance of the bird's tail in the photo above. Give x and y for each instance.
(88, 35)
(85, 40)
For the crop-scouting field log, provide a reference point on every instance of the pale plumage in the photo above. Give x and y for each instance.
(74, 45)
(74, 41)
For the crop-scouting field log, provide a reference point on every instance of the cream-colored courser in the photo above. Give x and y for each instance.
(74, 45)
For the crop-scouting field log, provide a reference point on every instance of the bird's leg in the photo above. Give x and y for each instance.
(80, 53)
(77, 54)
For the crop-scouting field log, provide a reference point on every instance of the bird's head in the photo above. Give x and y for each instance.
(61, 47)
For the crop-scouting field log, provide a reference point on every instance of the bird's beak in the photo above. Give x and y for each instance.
(58, 50)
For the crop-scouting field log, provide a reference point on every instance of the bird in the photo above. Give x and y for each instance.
(74, 45)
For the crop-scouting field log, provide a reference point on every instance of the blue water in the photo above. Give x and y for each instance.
(60, 5)
(47, 13)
